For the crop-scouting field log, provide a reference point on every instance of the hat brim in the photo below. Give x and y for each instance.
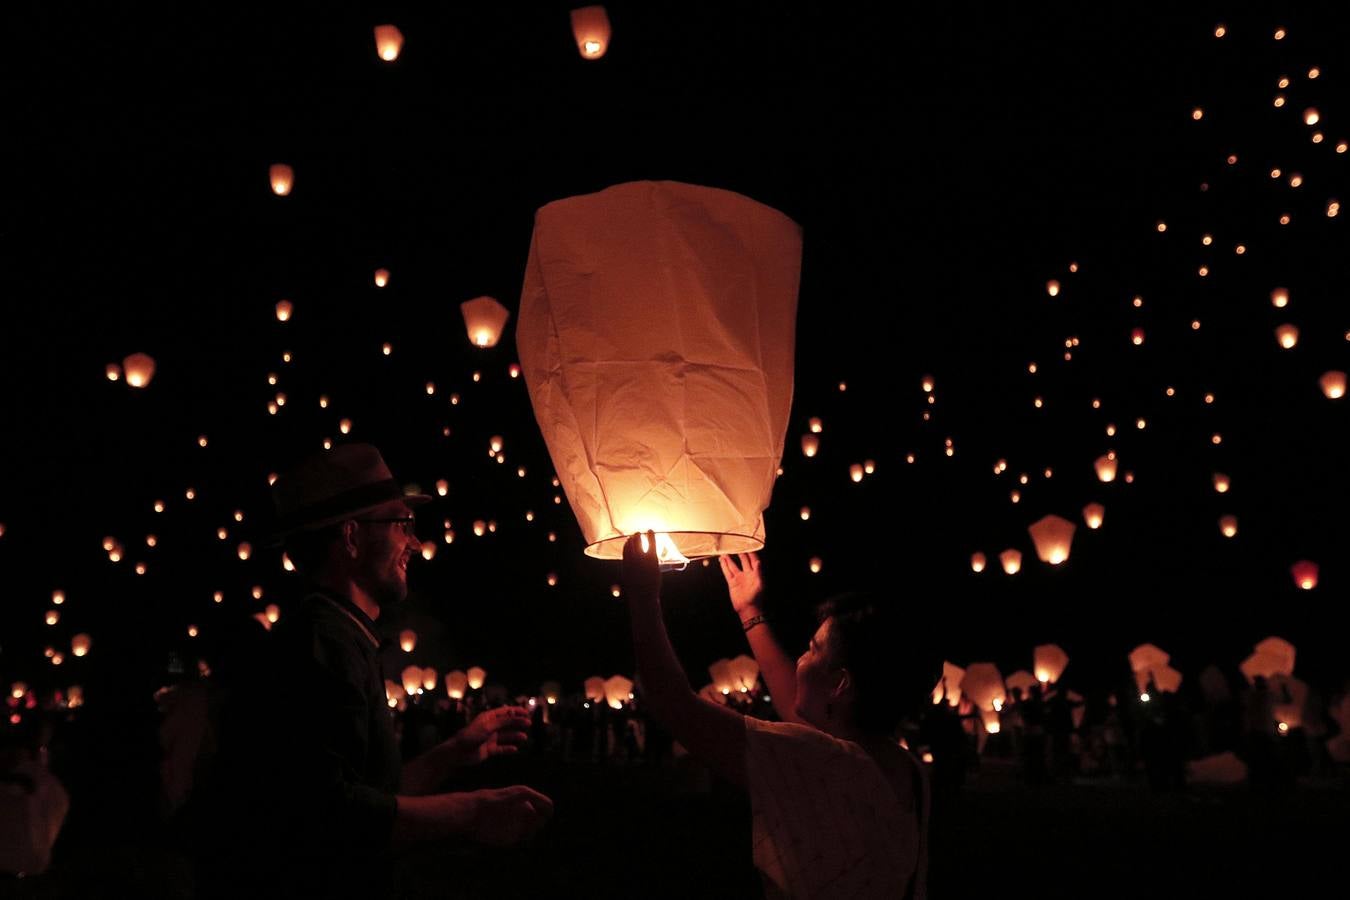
(279, 536)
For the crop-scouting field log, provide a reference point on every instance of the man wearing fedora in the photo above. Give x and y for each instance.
(309, 759)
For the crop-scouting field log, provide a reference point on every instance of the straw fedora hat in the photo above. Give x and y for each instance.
(334, 486)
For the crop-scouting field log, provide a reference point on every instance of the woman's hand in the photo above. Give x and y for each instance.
(641, 568)
(496, 732)
(743, 582)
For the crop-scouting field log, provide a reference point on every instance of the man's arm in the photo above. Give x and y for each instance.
(778, 670)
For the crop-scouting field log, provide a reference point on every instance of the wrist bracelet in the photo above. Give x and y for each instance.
(752, 622)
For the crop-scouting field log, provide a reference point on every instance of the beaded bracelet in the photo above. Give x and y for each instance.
(752, 622)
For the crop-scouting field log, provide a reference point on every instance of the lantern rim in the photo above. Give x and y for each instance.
(689, 543)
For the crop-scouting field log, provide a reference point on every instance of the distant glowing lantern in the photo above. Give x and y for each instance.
(983, 684)
(1011, 560)
(476, 676)
(218, 596)
(245, 550)
(272, 612)
(1049, 662)
(977, 562)
(1333, 384)
(381, 277)
(1106, 467)
(388, 42)
(59, 597)
(442, 487)
(1287, 335)
(479, 528)
(618, 691)
(1093, 515)
(113, 371)
(1311, 116)
(139, 368)
(456, 684)
(552, 579)
(712, 341)
(855, 472)
(1305, 574)
(428, 550)
(412, 679)
(810, 445)
(53, 616)
(79, 645)
(284, 310)
(815, 565)
(1052, 288)
(192, 631)
(1279, 298)
(805, 513)
(1137, 336)
(1228, 526)
(282, 177)
(590, 27)
(484, 318)
(1053, 536)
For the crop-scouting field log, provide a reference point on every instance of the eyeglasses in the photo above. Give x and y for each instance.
(408, 523)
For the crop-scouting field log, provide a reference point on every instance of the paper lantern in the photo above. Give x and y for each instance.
(983, 684)
(284, 310)
(1053, 536)
(977, 562)
(388, 42)
(594, 689)
(429, 679)
(394, 695)
(949, 685)
(1106, 467)
(139, 369)
(381, 277)
(1281, 650)
(1222, 483)
(1264, 665)
(79, 645)
(815, 564)
(1279, 298)
(282, 177)
(720, 672)
(669, 413)
(484, 319)
(1048, 661)
(618, 691)
(456, 683)
(590, 26)
(53, 616)
(113, 371)
(1166, 679)
(412, 679)
(1228, 526)
(1287, 335)
(1052, 288)
(1022, 681)
(744, 673)
(476, 676)
(1147, 656)
(1012, 561)
(272, 612)
(855, 472)
(1305, 574)
(1093, 515)
(407, 640)
(810, 445)
(1333, 384)
(245, 550)
(428, 550)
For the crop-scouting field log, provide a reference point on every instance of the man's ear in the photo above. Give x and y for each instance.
(844, 686)
(348, 541)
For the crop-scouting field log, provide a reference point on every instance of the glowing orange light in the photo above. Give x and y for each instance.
(282, 177)
(388, 42)
(1228, 526)
(1305, 574)
(1287, 335)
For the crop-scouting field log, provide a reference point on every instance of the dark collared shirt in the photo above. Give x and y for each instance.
(310, 758)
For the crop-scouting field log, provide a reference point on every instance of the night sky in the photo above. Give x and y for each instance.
(944, 165)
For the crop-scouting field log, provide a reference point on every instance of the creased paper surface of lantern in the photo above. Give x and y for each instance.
(656, 333)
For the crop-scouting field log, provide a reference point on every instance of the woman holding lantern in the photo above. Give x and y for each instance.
(839, 808)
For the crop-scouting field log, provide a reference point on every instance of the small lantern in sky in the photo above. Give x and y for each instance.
(139, 369)
(79, 645)
(1093, 515)
(1279, 297)
(1228, 526)
(856, 472)
(1305, 574)
(594, 688)
(484, 319)
(282, 177)
(1287, 335)
(456, 683)
(1222, 483)
(590, 27)
(412, 679)
(407, 640)
(1049, 662)
(428, 550)
(633, 398)
(815, 425)
(429, 679)
(381, 277)
(476, 676)
(284, 310)
(388, 42)
(977, 562)
(1052, 288)
(1012, 561)
(1333, 384)
(810, 445)
(113, 371)
(1106, 467)
(1053, 536)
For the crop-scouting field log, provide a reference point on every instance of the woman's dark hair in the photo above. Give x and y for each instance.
(892, 670)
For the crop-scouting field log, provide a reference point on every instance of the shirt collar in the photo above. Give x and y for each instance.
(358, 616)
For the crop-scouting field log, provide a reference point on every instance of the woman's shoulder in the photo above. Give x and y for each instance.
(851, 763)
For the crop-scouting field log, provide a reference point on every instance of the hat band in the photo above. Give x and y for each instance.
(352, 500)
